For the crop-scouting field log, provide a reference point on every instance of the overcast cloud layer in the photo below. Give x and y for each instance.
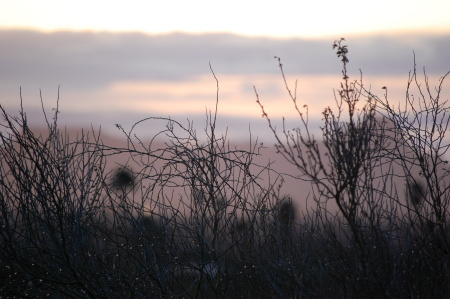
(92, 67)
(91, 60)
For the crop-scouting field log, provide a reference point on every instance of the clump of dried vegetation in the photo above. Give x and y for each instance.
(193, 218)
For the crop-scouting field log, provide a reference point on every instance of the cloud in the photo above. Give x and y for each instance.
(93, 60)
(108, 78)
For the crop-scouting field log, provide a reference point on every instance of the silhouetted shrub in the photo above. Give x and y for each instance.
(415, 192)
(195, 219)
(123, 178)
(367, 152)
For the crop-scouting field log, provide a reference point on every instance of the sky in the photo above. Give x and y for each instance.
(118, 62)
(283, 18)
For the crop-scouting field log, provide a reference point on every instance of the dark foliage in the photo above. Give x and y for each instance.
(195, 219)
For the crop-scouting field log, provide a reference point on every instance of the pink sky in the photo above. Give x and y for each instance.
(109, 78)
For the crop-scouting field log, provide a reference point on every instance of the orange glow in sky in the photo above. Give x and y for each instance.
(236, 95)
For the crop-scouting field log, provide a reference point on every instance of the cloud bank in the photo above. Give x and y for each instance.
(92, 60)
(108, 78)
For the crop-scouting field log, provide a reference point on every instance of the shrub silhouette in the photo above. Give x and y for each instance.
(123, 178)
(195, 219)
(415, 192)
